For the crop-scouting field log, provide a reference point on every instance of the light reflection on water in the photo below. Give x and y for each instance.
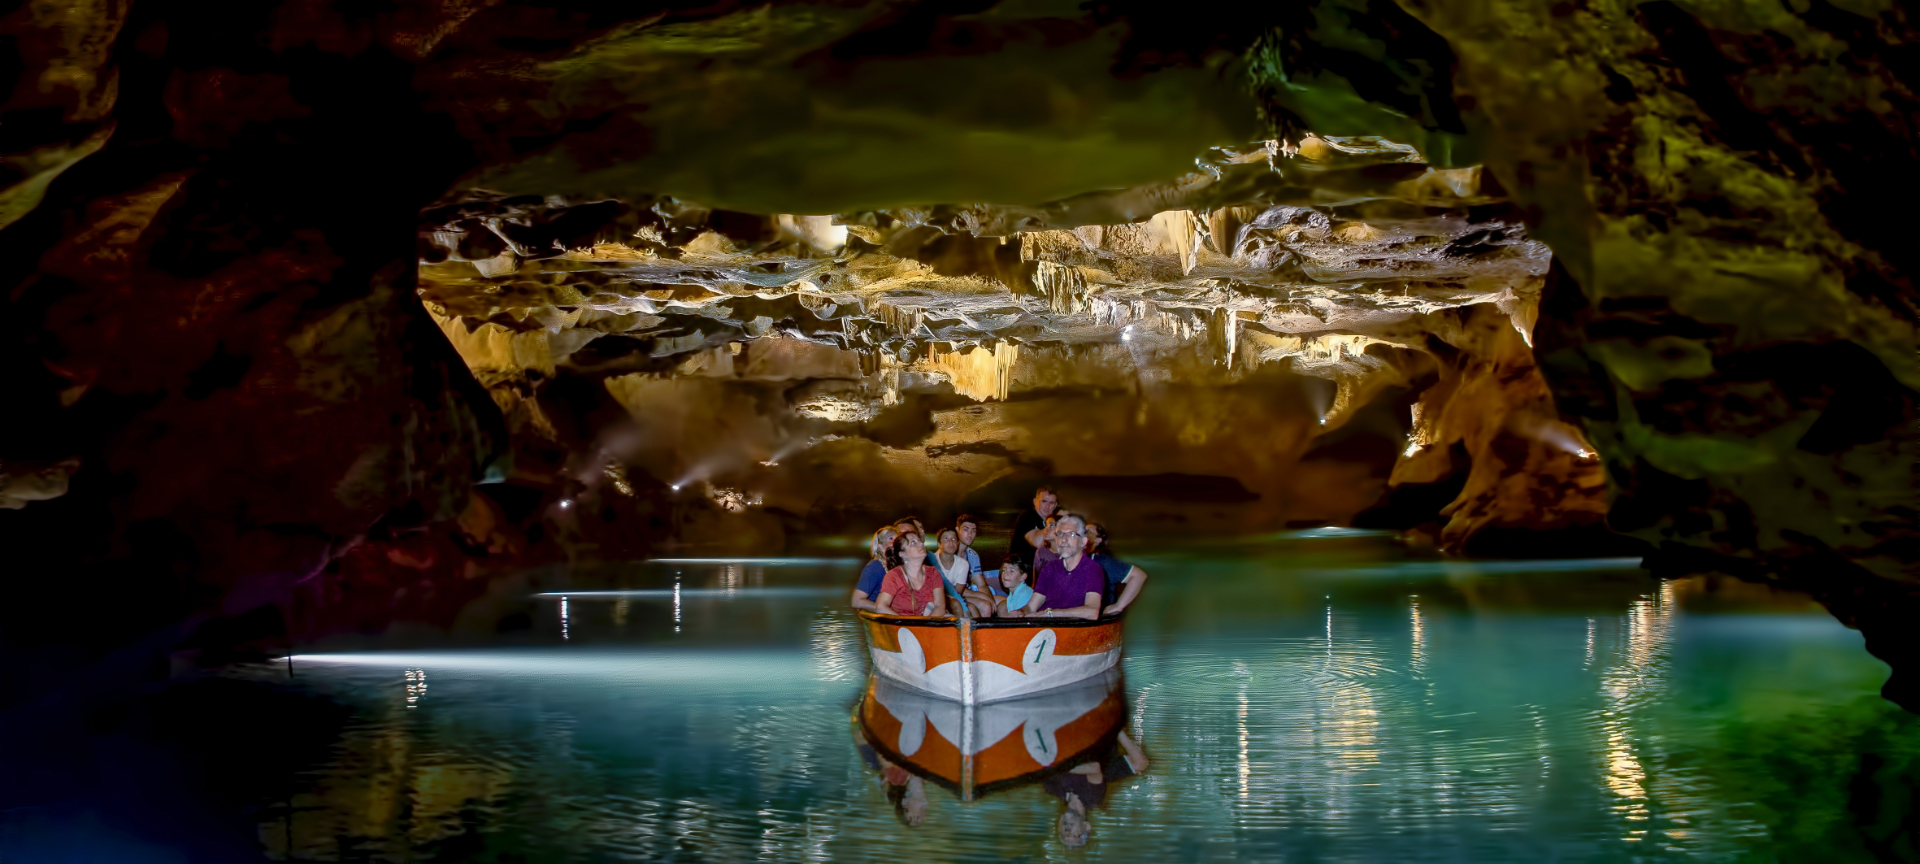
(1294, 705)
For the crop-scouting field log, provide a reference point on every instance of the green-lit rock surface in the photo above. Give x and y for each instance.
(1736, 325)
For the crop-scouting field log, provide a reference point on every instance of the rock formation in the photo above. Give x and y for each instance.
(1348, 260)
(300, 275)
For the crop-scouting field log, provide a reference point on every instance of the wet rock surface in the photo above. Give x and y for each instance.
(1349, 261)
(1733, 330)
(301, 275)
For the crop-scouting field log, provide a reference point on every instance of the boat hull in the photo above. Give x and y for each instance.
(977, 661)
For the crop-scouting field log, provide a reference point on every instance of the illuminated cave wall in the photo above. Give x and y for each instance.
(217, 368)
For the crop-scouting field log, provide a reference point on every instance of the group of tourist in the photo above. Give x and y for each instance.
(1058, 565)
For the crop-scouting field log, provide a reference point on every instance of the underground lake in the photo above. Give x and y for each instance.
(1314, 695)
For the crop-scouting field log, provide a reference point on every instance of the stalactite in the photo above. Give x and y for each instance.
(975, 370)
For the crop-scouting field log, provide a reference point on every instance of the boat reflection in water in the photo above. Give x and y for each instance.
(1072, 740)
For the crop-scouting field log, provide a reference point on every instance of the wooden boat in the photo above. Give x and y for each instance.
(973, 750)
(974, 661)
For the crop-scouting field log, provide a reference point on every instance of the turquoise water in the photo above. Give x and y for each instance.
(1313, 697)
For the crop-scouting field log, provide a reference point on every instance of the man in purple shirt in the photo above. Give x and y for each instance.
(1070, 586)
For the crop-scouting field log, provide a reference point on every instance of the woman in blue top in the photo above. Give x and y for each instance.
(1123, 580)
(868, 588)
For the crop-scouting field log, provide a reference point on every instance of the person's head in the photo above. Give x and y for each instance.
(882, 539)
(1044, 501)
(906, 547)
(949, 541)
(1012, 574)
(1074, 827)
(1070, 536)
(968, 527)
(1096, 538)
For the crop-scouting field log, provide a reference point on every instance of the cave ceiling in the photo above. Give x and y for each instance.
(298, 272)
(1351, 261)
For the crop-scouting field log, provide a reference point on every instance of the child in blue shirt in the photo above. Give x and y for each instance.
(1011, 593)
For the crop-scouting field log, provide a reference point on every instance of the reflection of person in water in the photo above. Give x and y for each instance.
(1086, 785)
(907, 793)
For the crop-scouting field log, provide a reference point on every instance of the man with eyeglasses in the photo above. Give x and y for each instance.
(1072, 585)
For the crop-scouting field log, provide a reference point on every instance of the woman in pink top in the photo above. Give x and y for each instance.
(911, 587)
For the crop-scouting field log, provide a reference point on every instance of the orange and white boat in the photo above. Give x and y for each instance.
(979, 660)
(974, 750)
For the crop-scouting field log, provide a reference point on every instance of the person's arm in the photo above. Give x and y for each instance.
(955, 601)
(884, 602)
(1135, 578)
(981, 596)
(860, 601)
(1135, 756)
(1036, 536)
(1090, 610)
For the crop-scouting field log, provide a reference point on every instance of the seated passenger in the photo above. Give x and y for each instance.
(911, 587)
(1124, 580)
(953, 567)
(868, 587)
(1046, 549)
(1011, 594)
(1072, 586)
(976, 591)
(969, 529)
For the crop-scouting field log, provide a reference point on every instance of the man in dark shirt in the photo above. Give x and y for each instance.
(1030, 529)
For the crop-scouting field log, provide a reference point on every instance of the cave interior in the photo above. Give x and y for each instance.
(329, 317)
